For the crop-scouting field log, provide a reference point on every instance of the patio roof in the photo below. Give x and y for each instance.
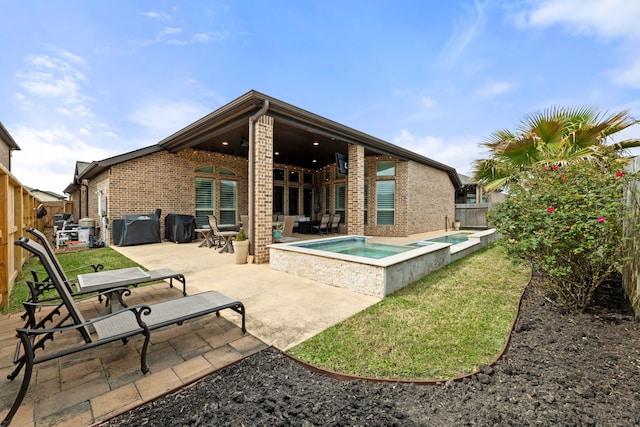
(301, 138)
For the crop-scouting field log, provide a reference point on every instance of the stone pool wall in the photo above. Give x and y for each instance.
(376, 277)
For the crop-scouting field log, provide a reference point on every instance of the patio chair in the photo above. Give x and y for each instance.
(39, 287)
(130, 321)
(225, 236)
(323, 226)
(335, 222)
(287, 231)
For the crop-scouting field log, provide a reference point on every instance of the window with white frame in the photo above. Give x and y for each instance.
(385, 202)
(366, 203)
(204, 200)
(227, 202)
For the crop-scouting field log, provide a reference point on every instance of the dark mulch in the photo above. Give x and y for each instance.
(560, 369)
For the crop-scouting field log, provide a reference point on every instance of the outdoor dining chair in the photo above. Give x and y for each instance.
(323, 226)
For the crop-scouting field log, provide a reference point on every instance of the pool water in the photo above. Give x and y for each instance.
(454, 239)
(356, 246)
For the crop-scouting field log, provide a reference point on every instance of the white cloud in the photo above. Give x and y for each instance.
(428, 102)
(603, 18)
(47, 157)
(163, 16)
(463, 35)
(627, 74)
(493, 88)
(426, 108)
(53, 94)
(162, 117)
(54, 77)
(169, 36)
(459, 152)
(170, 30)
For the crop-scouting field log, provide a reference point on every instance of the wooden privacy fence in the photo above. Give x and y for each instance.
(473, 215)
(17, 213)
(54, 208)
(631, 270)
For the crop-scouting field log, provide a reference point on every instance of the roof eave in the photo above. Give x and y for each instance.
(7, 138)
(253, 100)
(96, 168)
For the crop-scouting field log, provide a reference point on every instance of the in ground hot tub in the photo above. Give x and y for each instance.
(377, 269)
(353, 263)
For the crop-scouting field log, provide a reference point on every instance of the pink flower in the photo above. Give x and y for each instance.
(563, 177)
(545, 168)
(551, 209)
(601, 219)
(619, 174)
(554, 167)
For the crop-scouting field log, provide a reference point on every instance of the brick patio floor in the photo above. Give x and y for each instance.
(97, 384)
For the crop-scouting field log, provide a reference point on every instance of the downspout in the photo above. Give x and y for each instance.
(86, 201)
(252, 227)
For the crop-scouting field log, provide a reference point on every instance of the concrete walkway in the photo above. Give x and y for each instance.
(282, 310)
(97, 384)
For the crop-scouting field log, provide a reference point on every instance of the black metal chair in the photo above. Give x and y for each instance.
(121, 325)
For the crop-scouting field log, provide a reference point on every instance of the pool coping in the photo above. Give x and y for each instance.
(377, 262)
(370, 276)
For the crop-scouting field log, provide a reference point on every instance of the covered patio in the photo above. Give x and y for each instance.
(259, 156)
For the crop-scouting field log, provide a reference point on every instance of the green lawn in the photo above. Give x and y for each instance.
(109, 258)
(441, 326)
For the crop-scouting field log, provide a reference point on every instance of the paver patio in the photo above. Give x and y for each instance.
(94, 385)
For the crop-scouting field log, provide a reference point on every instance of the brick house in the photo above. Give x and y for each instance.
(258, 156)
(7, 146)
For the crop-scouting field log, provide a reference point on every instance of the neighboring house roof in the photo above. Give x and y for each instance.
(95, 168)
(7, 138)
(77, 181)
(50, 195)
(301, 138)
(466, 180)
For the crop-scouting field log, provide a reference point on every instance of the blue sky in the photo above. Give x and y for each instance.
(86, 80)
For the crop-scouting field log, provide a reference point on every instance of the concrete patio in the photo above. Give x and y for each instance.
(94, 385)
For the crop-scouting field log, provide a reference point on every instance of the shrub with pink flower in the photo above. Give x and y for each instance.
(582, 243)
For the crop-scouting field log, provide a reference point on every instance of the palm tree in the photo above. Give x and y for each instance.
(552, 137)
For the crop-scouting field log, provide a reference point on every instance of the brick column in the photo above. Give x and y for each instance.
(355, 191)
(263, 188)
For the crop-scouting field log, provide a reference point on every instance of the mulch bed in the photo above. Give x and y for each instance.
(559, 369)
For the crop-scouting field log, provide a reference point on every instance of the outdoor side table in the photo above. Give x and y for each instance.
(208, 238)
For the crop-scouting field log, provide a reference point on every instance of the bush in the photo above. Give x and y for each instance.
(567, 220)
(241, 236)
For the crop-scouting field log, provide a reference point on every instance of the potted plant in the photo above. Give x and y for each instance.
(241, 247)
(456, 224)
(277, 231)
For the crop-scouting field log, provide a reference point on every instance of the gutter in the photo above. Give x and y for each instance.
(252, 171)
